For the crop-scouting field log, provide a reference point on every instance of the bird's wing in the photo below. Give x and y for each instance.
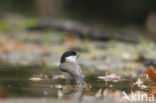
(73, 69)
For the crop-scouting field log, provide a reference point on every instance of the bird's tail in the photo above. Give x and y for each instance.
(81, 81)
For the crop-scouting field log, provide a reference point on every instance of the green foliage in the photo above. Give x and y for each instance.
(30, 22)
(5, 25)
(47, 36)
(145, 41)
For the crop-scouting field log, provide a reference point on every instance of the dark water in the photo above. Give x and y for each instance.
(18, 81)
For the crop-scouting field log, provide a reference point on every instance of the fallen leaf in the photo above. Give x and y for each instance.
(111, 77)
(35, 79)
(152, 89)
(45, 54)
(70, 40)
(151, 72)
(2, 94)
(139, 82)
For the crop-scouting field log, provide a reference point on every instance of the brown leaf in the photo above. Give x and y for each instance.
(152, 89)
(45, 53)
(70, 40)
(2, 94)
(151, 72)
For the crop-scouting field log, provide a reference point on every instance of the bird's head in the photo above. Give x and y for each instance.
(70, 56)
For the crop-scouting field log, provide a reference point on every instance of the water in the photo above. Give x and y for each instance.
(36, 81)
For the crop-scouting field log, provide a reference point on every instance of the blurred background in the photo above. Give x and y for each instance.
(116, 13)
(115, 38)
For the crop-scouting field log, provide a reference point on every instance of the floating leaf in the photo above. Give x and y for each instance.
(111, 77)
(151, 72)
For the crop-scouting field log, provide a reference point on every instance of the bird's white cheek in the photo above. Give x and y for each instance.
(71, 58)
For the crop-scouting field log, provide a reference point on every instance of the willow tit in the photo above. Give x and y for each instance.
(70, 67)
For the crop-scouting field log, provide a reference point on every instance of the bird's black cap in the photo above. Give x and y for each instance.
(67, 54)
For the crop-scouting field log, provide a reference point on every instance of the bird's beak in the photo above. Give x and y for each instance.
(77, 56)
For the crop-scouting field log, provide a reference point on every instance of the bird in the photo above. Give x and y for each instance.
(70, 68)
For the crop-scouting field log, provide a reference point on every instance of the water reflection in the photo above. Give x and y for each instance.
(67, 94)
